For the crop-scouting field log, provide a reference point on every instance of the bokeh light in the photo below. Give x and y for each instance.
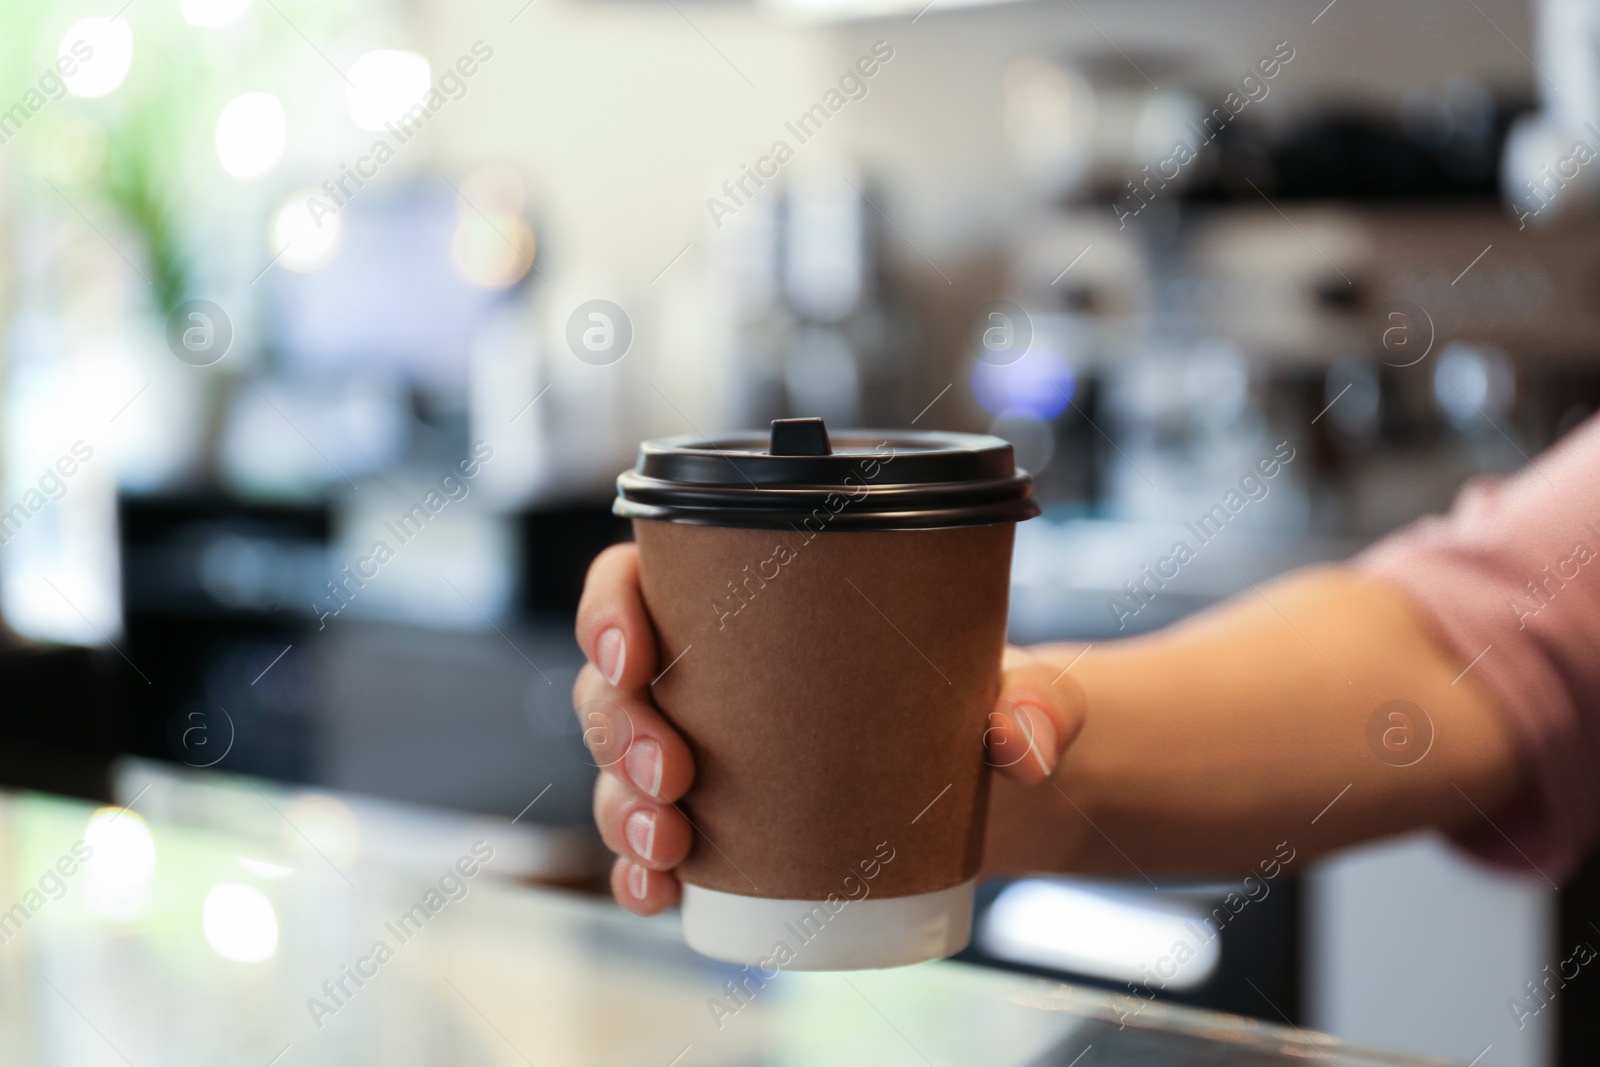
(99, 51)
(305, 240)
(251, 131)
(1038, 385)
(240, 923)
(493, 252)
(1473, 384)
(1107, 932)
(121, 865)
(492, 246)
(384, 84)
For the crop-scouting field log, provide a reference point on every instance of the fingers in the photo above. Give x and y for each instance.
(613, 625)
(637, 828)
(629, 739)
(641, 890)
(647, 765)
(1039, 713)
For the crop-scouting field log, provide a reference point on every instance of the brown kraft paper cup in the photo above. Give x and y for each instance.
(833, 685)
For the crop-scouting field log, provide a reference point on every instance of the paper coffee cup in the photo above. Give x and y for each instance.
(831, 620)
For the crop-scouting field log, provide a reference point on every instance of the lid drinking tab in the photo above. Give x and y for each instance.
(799, 437)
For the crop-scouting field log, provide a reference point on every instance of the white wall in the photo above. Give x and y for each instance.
(627, 112)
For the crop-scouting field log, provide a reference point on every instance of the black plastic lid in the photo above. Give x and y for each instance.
(850, 480)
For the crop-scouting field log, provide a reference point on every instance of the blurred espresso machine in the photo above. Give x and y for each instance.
(1405, 296)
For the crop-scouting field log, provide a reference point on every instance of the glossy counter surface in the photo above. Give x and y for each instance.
(162, 940)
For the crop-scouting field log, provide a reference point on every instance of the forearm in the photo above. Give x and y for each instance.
(1209, 743)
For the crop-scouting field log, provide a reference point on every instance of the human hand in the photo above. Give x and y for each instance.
(646, 766)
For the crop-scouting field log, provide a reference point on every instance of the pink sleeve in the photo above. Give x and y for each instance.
(1511, 580)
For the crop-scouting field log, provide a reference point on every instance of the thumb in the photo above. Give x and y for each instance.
(1039, 713)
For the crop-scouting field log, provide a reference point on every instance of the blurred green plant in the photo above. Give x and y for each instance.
(137, 182)
(157, 169)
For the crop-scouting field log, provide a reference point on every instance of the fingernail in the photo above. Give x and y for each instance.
(638, 881)
(644, 765)
(640, 830)
(611, 655)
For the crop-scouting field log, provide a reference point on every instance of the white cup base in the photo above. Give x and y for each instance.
(840, 935)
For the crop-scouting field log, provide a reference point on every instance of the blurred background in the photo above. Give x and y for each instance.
(328, 325)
